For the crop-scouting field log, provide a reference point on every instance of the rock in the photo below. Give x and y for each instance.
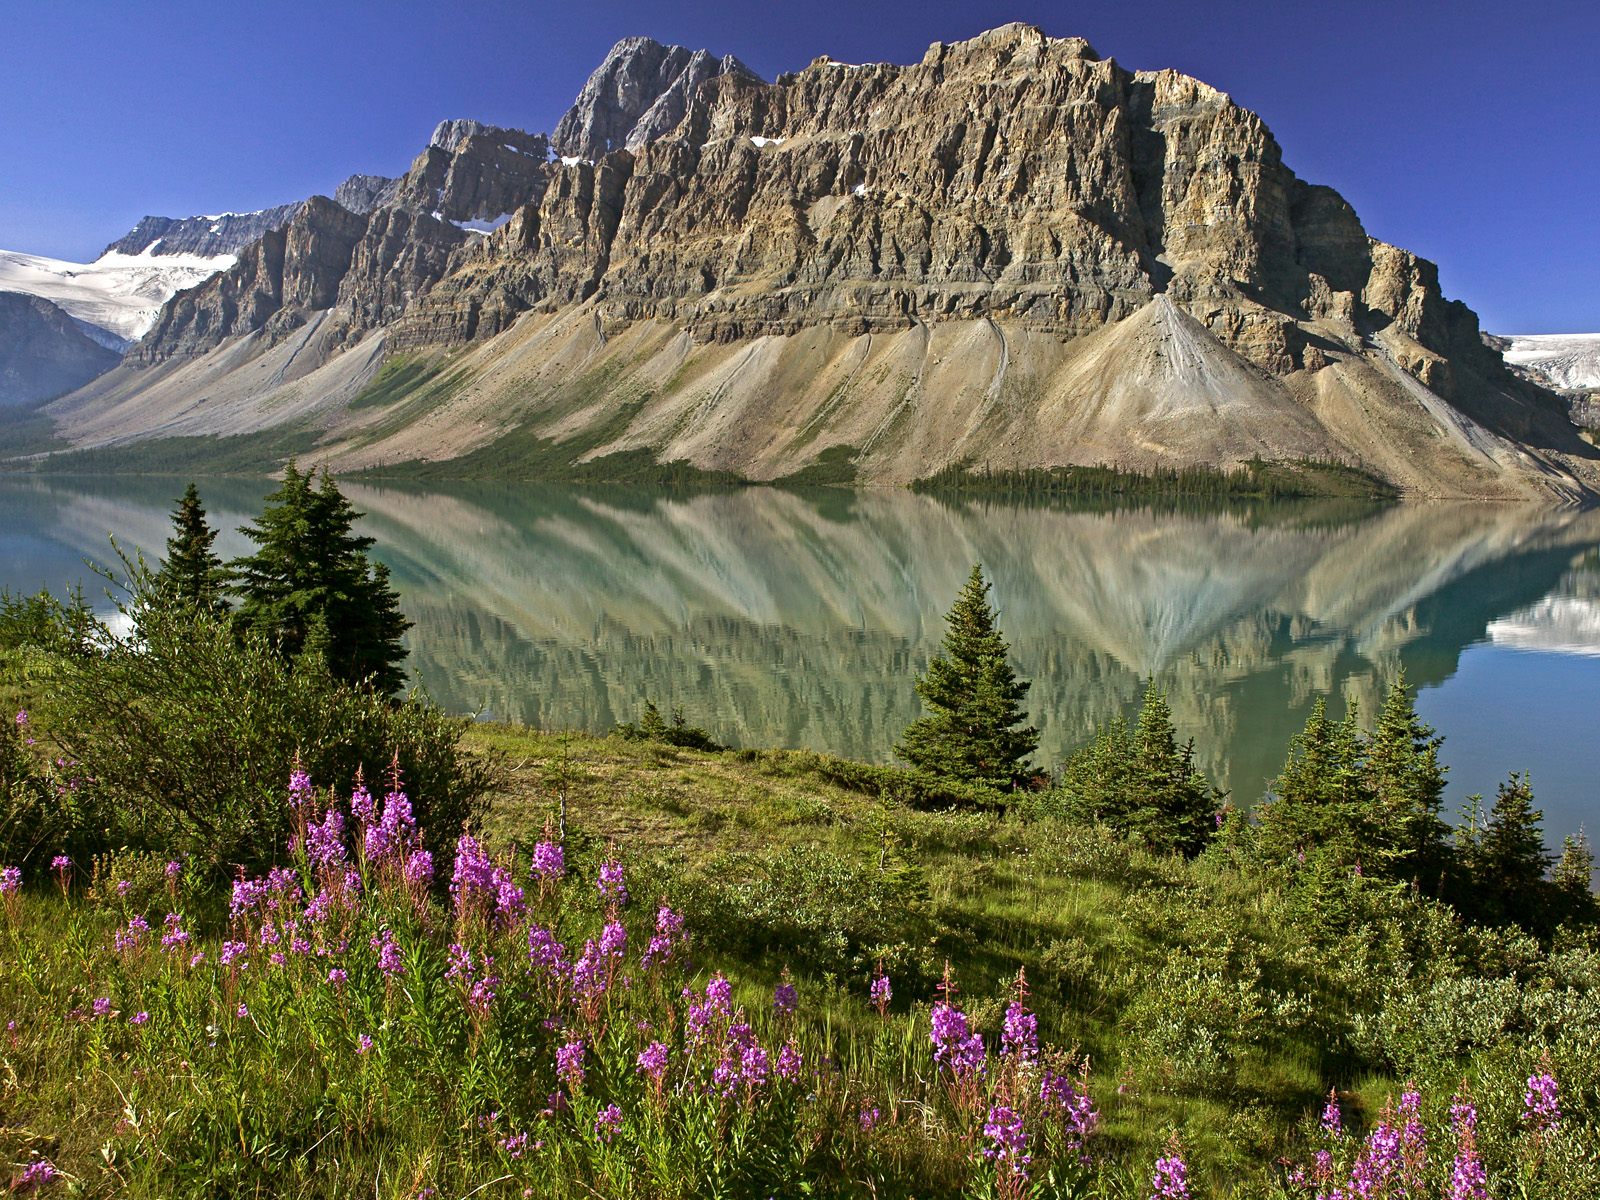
(639, 93)
(363, 193)
(221, 233)
(44, 352)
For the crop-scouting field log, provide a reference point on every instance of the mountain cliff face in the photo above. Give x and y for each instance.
(1014, 253)
(222, 233)
(43, 352)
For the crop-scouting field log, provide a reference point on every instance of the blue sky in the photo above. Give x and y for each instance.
(1468, 132)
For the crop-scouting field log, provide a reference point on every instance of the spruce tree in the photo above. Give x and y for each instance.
(192, 571)
(974, 729)
(310, 585)
(1507, 860)
(1320, 807)
(1573, 878)
(1407, 783)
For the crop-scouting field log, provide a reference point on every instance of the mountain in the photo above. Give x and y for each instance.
(44, 352)
(1012, 254)
(205, 237)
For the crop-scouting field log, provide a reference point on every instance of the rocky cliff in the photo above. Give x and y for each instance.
(1013, 253)
(221, 233)
(44, 352)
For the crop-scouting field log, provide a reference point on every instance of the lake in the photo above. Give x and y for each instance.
(777, 618)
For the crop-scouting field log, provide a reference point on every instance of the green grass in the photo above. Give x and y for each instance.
(261, 453)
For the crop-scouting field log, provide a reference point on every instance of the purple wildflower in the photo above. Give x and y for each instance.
(1463, 1115)
(754, 1067)
(652, 1060)
(613, 940)
(549, 862)
(1019, 1037)
(954, 1044)
(880, 993)
(139, 1018)
(242, 1011)
(609, 1123)
(419, 870)
(1332, 1118)
(325, 840)
(1008, 1141)
(719, 994)
(611, 883)
(336, 979)
(868, 1118)
(1542, 1101)
(569, 1064)
(10, 880)
(132, 937)
(790, 1061)
(300, 790)
(389, 960)
(231, 951)
(36, 1174)
(1070, 1104)
(515, 1146)
(1171, 1179)
(60, 863)
(173, 937)
(472, 882)
(102, 1006)
(785, 999)
(173, 869)
(544, 950)
(363, 1043)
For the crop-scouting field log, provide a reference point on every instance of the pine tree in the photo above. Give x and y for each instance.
(310, 585)
(1178, 805)
(974, 728)
(1142, 782)
(1321, 808)
(1573, 878)
(192, 570)
(1407, 783)
(1507, 859)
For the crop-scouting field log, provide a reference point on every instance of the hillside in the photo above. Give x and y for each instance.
(1014, 253)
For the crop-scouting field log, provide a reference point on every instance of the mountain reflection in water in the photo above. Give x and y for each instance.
(776, 618)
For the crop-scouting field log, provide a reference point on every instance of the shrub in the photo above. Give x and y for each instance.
(186, 732)
(651, 727)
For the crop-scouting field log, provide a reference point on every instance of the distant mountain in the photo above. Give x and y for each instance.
(1012, 254)
(44, 352)
(204, 237)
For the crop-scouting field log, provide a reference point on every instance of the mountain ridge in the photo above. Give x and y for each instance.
(911, 265)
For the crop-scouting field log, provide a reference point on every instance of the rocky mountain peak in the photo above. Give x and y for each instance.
(363, 193)
(207, 236)
(638, 94)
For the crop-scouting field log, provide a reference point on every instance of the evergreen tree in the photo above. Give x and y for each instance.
(1407, 783)
(1321, 808)
(1143, 782)
(310, 585)
(974, 728)
(1573, 878)
(192, 569)
(1505, 859)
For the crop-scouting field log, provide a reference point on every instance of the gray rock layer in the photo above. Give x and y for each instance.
(226, 233)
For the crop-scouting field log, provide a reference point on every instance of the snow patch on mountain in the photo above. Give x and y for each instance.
(1563, 360)
(119, 295)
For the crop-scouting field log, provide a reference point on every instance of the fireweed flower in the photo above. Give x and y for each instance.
(363, 1044)
(1468, 1179)
(300, 790)
(790, 1061)
(613, 940)
(544, 950)
(1008, 1141)
(132, 937)
(669, 925)
(609, 1123)
(325, 841)
(1463, 1115)
(1332, 1117)
(389, 960)
(612, 886)
(419, 870)
(139, 1018)
(1171, 1178)
(868, 1119)
(230, 952)
(336, 979)
(1541, 1103)
(880, 993)
(102, 1006)
(652, 1061)
(173, 869)
(472, 881)
(549, 863)
(174, 936)
(10, 880)
(785, 999)
(1019, 1037)
(515, 1146)
(719, 994)
(36, 1174)
(754, 1067)
(1070, 1104)
(955, 1046)
(569, 1064)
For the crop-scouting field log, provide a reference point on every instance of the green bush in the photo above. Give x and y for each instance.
(186, 733)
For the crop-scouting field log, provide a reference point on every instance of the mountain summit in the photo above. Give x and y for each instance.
(1014, 253)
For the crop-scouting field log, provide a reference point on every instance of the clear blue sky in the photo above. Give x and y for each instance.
(1468, 132)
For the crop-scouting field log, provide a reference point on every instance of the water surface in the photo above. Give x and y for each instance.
(781, 619)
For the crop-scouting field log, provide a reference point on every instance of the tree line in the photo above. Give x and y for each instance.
(1347, 803)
